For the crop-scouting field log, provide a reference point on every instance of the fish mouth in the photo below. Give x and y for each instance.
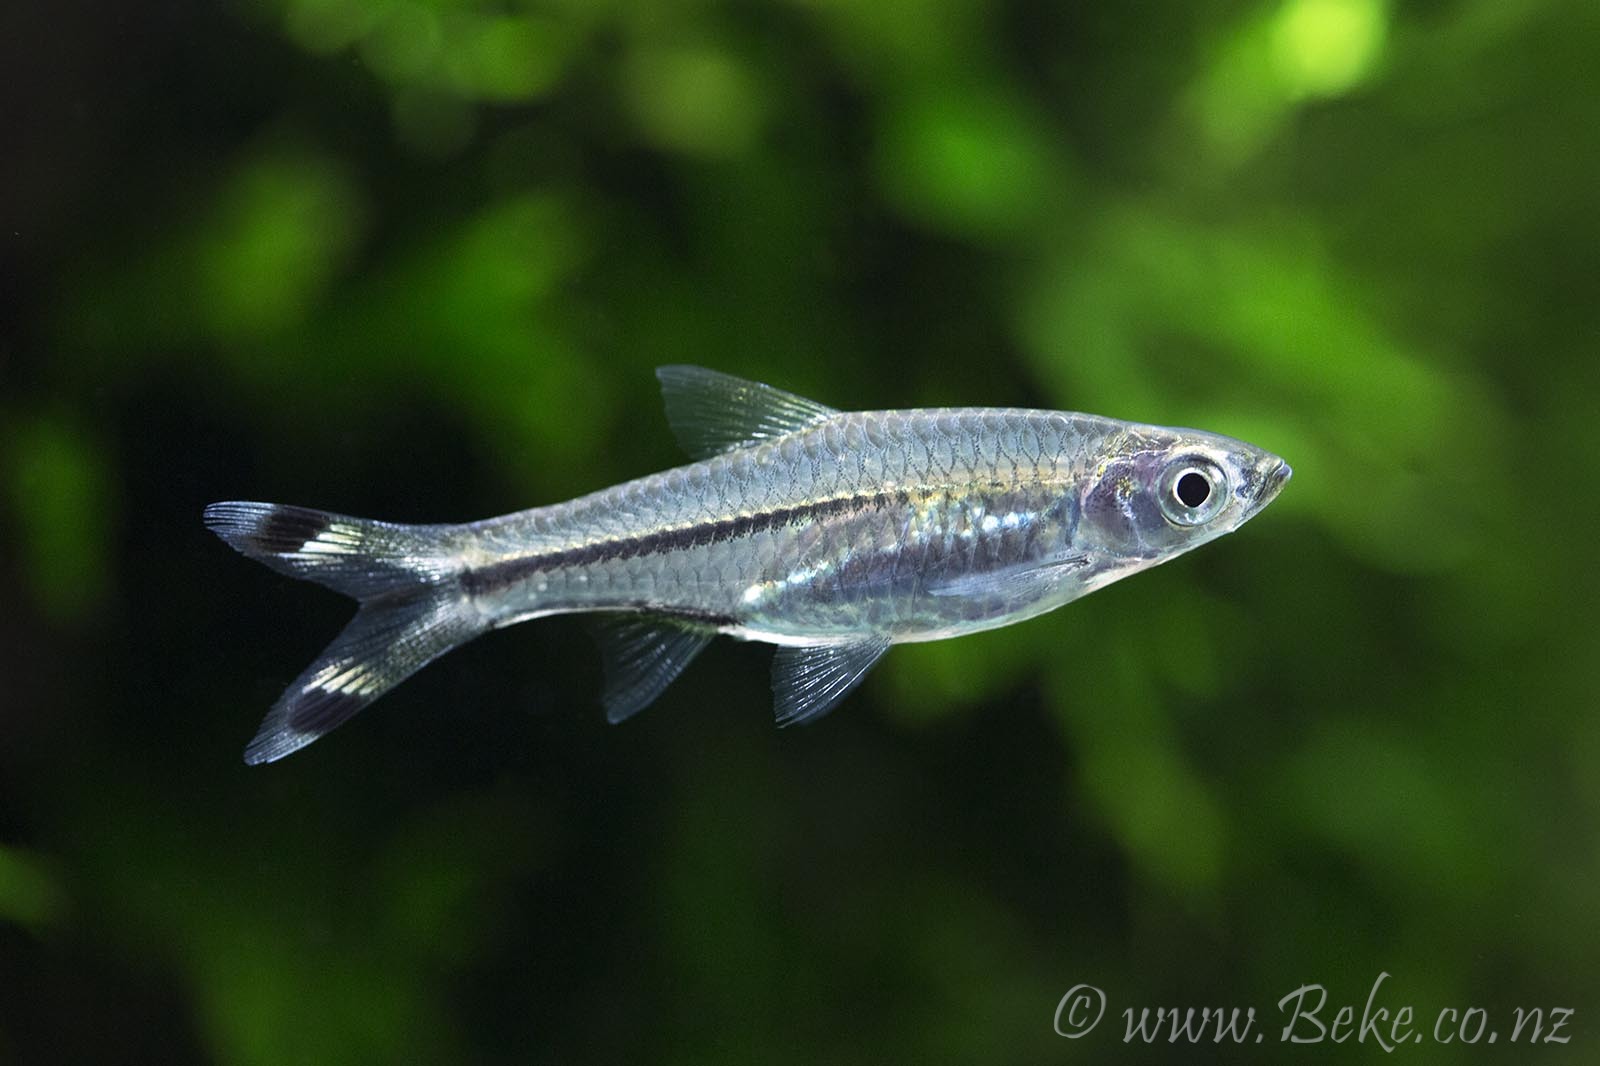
(1271, 474)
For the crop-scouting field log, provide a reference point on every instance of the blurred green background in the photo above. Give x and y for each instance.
(416, 259)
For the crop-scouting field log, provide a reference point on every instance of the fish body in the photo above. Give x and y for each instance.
(830, 534)
(908, 524)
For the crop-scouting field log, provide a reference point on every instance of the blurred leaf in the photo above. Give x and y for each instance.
(29, 893)
(1323, 47)
(1160, 809)
(65, 509)
(699, 100)
(501, 58)
(1272, 62)
(966, 158)
(1386, 801)
(280, 229)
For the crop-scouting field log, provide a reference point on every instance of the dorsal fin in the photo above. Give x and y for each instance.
(711, 412)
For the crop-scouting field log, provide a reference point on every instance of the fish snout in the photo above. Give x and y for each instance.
(1269, 477)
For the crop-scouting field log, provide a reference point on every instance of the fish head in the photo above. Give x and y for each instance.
(1157, 492)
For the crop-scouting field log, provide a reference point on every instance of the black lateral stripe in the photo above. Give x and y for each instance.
(497, 576)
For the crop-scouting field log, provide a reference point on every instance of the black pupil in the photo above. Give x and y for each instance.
(1193, 488)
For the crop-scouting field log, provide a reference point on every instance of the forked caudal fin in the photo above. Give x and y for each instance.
(413, 609)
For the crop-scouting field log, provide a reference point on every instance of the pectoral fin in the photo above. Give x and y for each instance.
(807, 682)
(1022, 584)
(641, 656)
(711, 412)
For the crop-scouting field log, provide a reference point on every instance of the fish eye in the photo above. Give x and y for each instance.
(1192, 488)
(1192, 491)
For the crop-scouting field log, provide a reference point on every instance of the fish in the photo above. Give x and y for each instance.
(830, 534)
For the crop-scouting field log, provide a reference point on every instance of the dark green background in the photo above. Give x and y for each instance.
(416, 259)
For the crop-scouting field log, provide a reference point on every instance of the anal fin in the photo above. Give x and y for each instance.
(641, 656)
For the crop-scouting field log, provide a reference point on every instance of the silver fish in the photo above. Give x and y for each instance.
(830, 534)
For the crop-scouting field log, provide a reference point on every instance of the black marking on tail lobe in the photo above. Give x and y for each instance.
(320, 710)
(355, 556)
(264, 528)
(288, 529)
